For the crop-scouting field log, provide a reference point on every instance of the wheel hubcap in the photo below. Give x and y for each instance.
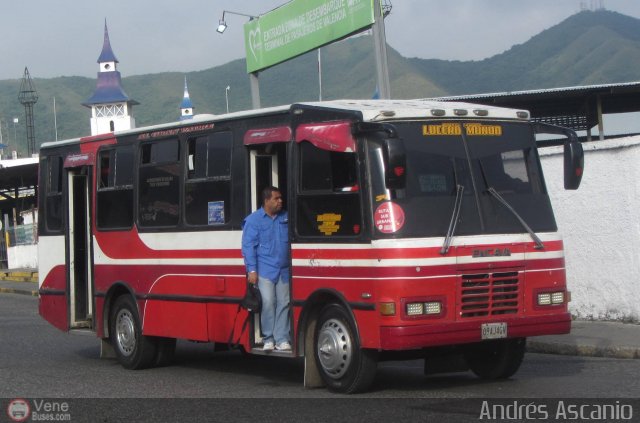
(125, 332)
(335, 349)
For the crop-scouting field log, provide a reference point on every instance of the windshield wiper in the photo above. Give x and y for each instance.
(454, 220)
(536, 239)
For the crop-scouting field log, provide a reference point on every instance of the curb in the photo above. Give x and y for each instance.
(18, 291)
(582, 350)
(18, 276)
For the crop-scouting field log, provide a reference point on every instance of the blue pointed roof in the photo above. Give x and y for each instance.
(107, 53)
(108, 90)
(186, 100)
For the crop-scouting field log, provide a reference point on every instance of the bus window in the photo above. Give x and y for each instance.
(208, 185)
(115, 189)
(159, 179)
(54, 194)
(329, 197)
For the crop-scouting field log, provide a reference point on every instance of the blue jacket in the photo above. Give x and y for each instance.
(265, 244)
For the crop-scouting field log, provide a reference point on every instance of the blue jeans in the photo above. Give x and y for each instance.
(274, 317)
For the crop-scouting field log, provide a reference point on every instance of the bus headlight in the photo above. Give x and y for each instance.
(415, 309)
(434, 307)
(557, 298)
(423, 308)
(551, 298)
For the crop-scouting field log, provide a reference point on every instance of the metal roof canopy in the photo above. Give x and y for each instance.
(579, 108)
(14, 179)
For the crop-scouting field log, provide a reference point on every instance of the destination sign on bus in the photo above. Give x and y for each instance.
(455, 129)
(175, 131)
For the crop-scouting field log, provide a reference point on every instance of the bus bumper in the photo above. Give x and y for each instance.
(431, 335)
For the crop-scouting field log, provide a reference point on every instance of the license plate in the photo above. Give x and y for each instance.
(494, 330)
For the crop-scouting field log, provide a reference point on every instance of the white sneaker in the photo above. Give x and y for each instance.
(268, 346)
(283, 346)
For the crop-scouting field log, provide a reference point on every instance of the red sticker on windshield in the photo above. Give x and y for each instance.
(389, 218)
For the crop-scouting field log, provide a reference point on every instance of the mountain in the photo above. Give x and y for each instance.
(586, 48)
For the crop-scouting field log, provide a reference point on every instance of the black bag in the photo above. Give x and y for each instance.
(252, 300)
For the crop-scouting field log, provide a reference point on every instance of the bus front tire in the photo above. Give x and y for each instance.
(343, 365)
(498, 359)
(133, 350)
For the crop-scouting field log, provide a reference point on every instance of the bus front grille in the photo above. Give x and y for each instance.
(489, 294)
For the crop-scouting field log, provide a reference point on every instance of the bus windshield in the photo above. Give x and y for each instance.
(447, 159)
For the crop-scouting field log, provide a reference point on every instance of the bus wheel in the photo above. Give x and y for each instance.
(134, 351)
(343, 365)
(496, 359)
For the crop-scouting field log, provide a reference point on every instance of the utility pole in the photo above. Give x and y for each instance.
(28, 97)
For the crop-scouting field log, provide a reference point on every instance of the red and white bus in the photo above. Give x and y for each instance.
(417, 229)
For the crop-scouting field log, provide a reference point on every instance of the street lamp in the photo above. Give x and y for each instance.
(222, 24)
(15, 137)
(253, 77)
(226, 96)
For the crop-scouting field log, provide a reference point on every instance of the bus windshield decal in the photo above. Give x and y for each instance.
(455, 129)
(329, 223)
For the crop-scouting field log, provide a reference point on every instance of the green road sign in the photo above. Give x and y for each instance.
(300, 26)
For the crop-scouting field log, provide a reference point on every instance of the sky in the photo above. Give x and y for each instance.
(64, 37)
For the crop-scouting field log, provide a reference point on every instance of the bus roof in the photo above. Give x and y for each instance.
(371, 110)
(379, 110)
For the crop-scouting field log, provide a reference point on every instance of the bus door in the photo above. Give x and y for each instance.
(267, 167)
(264, 173)
(80, 275)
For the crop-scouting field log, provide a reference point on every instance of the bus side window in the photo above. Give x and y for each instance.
(114, 199)
(329, 197)
(159, 184)
(53, 206)
(208, 184)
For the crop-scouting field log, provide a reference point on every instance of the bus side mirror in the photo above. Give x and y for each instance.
(573, 164)
(573, 153)
(395, 159)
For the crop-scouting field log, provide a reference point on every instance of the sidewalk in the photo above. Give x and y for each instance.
(587, 338)
(592, 339)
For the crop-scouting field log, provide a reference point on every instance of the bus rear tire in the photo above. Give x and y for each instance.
(133, 350)
(498, 359)
(342, 364)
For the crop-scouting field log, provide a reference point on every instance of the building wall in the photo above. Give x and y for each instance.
(23, 257)
(600, 223)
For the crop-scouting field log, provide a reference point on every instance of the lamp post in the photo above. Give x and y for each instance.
(253, 77)
(222, 24)
(226, 96)
(15, 137)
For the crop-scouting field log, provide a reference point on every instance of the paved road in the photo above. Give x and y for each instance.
(38, 361)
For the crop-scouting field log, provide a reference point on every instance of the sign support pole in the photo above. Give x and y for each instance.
(255, 90)
(380, 46)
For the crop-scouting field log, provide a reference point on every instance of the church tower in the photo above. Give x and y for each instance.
(110, 105)
(186, 107)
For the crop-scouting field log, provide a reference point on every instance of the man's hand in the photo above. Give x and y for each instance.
(252, 277)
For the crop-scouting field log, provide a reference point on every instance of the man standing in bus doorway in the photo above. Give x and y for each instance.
(265, 248)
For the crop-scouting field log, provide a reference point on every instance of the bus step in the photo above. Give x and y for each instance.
(82, 331)
(259, 351)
